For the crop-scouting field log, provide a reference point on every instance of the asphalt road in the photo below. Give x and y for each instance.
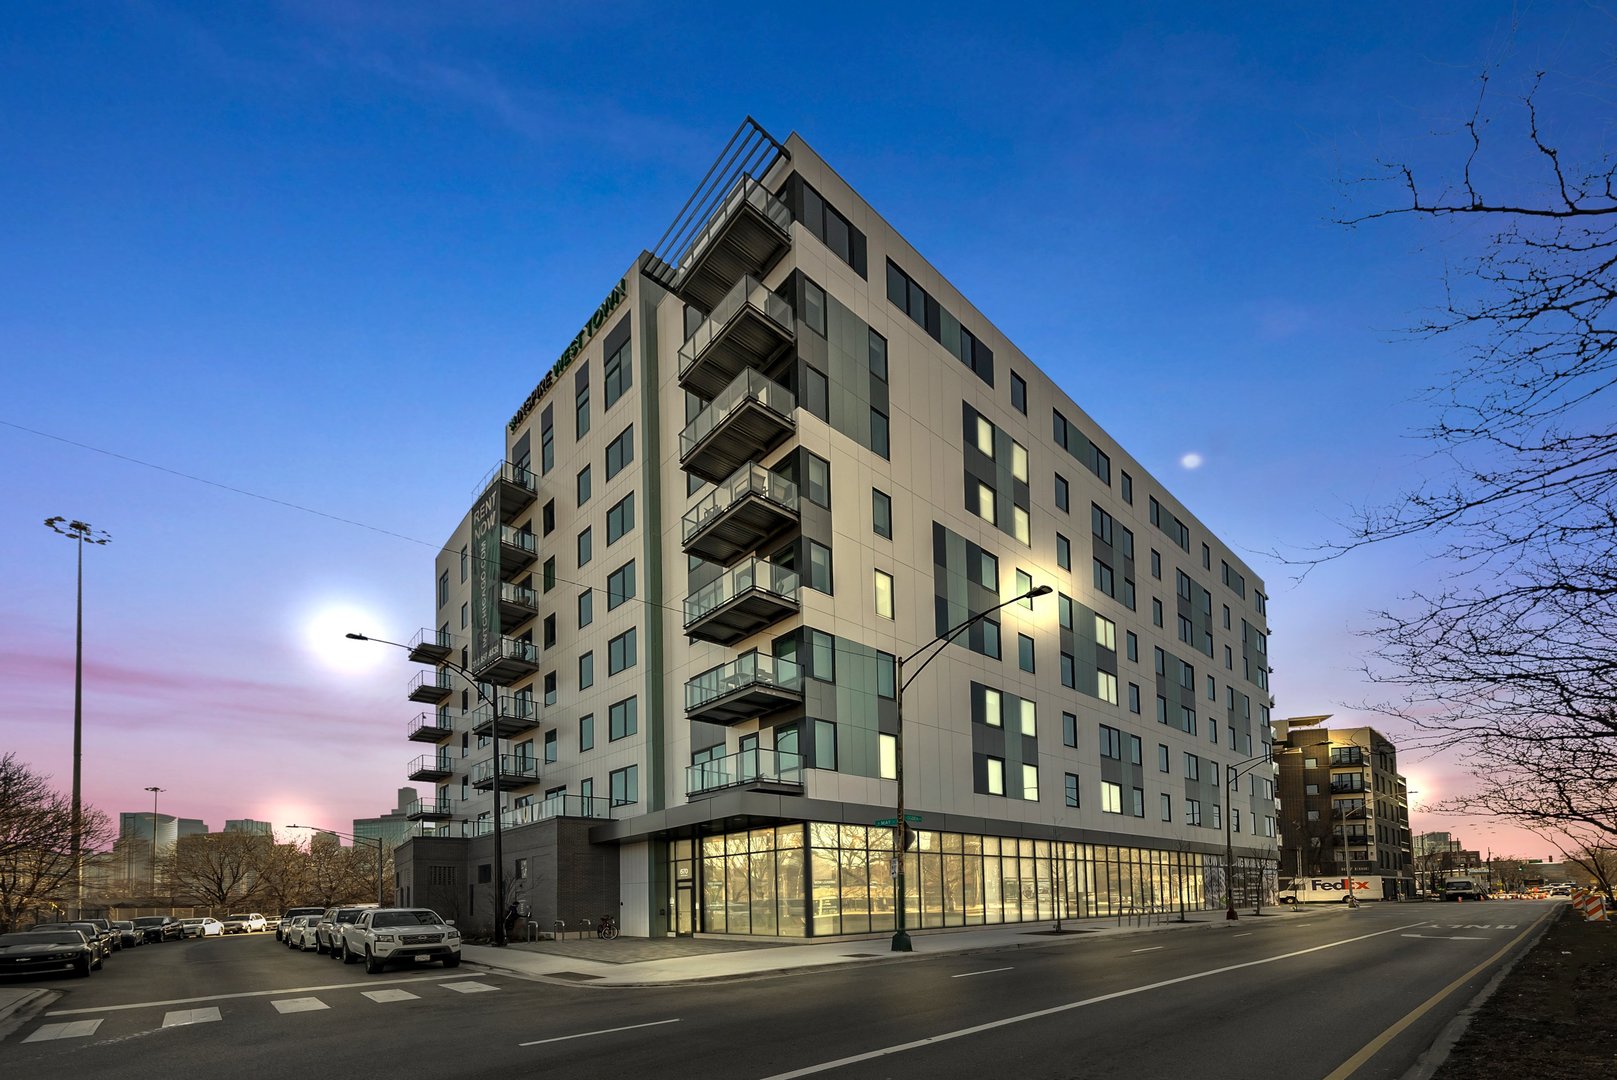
(1334, 994)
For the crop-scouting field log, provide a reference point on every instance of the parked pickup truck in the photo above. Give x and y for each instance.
(399, 935)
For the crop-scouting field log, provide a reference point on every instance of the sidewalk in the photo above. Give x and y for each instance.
(664, 961)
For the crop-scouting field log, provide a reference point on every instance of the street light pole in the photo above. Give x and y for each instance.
(494, 730)
(901, 830)
(81, 533)
(380, 895)
(155, 792)
(1232, 776)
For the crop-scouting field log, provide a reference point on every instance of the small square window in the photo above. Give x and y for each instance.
(881, 513)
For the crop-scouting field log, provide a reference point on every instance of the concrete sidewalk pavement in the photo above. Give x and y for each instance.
(664, 961)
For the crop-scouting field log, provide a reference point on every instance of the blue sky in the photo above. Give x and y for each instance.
(318, 251)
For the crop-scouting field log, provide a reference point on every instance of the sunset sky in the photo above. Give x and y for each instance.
(277, 273)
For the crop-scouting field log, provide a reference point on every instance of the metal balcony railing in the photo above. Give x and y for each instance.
(558, 806)
(750, 479)
(743, 768)
(748, 294)
(747, 671)
(753, 573)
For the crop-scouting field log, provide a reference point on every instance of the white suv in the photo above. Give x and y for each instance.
(412, 935)
(244, 923)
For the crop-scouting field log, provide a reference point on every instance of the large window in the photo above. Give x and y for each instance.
(819, 560)
(623, 719)
(586, 732)
(1111, 797)
(584, 491)
(620, 452)
(621, 652)
(586, 671)
(619, 374)
(625, 785)
(620, 585)
(620, 519)
(884, 595)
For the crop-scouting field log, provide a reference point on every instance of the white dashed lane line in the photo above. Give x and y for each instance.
(73, 1029)
(182, 1017)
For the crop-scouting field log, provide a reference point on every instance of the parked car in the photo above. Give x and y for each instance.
(204, 927)
(243, 923)
(292, 913)
(298, 932)
(159, 927)
(128, 934)
(47, 950)
(109, 932)
(101, 943)
(382, 936)
(328, 932)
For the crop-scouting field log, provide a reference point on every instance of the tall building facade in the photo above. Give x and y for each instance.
(393, 827)
(1344, 807)
(783, 453)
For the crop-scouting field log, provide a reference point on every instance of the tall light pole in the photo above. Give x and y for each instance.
(81, 533)
(901, 830)
(1232, 776)
(494, 729)
(155, 792)
(380, 895)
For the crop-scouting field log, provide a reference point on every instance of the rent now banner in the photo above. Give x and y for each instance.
(486, 579)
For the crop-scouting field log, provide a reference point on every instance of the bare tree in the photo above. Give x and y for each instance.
(36, 822)
(219, 870)
(1512, 659)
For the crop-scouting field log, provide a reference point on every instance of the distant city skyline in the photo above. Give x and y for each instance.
(273, 269)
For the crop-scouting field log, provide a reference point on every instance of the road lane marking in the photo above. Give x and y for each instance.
(827, 1066)
(184, 1017)
(1153, 948)
(988, 971)
(603, 1031)
(391, 995)
(469, 987)
(297, 1005)
(1373, 1047)
(1247, 934)
(73, 1029)
(244, 994)
(1443, 937)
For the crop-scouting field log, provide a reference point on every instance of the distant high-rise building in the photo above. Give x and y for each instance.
(393, 827)
(248, 825)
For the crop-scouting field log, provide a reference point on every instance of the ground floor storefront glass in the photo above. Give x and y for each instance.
(819, 879)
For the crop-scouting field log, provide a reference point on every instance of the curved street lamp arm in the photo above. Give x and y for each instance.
(949, 635)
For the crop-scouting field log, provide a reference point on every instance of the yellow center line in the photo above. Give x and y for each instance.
(1374, 1046)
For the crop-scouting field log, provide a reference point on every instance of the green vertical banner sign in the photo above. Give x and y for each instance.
(486, 578)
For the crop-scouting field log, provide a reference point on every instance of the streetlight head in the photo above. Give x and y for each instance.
(1042, 590)
(353, 637)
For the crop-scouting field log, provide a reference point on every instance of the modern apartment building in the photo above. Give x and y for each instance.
(1344, 807)
(783, 453)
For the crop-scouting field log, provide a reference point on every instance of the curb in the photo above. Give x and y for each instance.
(15, 1013)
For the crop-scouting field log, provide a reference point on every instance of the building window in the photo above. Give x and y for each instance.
(1134, 699)
(465, 616)
(586, 608)
(586, 671)
(550, 747)
(1024, 652)
(1030, 783)
(1165, 801)
(995, 775)
(814, 307)
(991, 708)
(547, 515)
(1106, 687)
(1064, 611)
(584, 485)
(1063, 494)
(817, 472)
(1069, 729)
(1131, 645)
(1105, 633)
(1156, 613)
(881, 513)
(1111, 798)
(884, 595)
(548, 631)
(1193, 767)
(581, 405)
(1139, 802)
(619, 519)
(819, 560)
(586, 732)
(822, 656)
(1127, 488)
(619, 375)
(1103, 579)
(879, 434)
(816, 395)
(1162, 757)
(620, 452)
(622, 719)
(620, 585)
(1111, 743)
(443, 588)
(548, 574)
(547, 443)
(625, 784)
(465, 558)
(550, 687)
(1019, 403)
(1071, 783)
(1069, 675)
(887, 756)
(1156, 564)
(586, 547)
(878, 356)
(825, 745)
(886, 675)
(620, 652)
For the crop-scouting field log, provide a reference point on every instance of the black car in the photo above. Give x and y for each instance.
(109, 932)
(160, 927)
(47, 950)
(128, 934)
(100, 942)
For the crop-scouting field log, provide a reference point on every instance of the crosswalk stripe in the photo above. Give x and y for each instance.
(391, 995)
(182, 1017)
(73, 1029)
(297, 1005)
(468, 987)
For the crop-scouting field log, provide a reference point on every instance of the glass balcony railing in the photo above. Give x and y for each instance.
(745, 767)
(746, 192)
(749, 386)
(523, 541)
(748, 292)
(748, 670)
(557, 806)
(754, 573)
(750, 479)
(518, 596)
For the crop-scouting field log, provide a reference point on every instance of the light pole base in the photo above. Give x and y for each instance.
(1231, 915)
(901, 942)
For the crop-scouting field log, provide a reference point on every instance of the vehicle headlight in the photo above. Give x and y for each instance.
(453, 935)
(389, 938)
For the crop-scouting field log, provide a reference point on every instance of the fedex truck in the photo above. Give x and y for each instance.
(1321, 890)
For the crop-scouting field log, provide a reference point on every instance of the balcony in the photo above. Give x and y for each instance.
(431, 646)
(430, 727)
(556, 806)
(431, 767)
(749, 418)
(518, 550)
(746, 233)
(749, 686)
(513, 659)
(747, 328)
(517, 716)
(754, 595)
(519, 487)
(750, 507)
(431, 687)
(518, 604)
(771, 771)
(515, 771)
(429, 810)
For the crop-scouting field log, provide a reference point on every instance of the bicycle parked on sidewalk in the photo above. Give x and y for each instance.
(607, 928)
